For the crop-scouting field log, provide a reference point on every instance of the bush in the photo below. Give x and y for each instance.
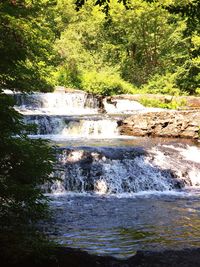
(157, 103)
(68, 77)
(105, 83)
(163, 84)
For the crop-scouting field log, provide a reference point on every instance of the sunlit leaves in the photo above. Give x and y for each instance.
(135, 38)
(25, 40)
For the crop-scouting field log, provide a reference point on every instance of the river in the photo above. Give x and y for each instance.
(116, 194)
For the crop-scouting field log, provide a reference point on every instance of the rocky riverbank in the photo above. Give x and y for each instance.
(165, 123)
(68, 257)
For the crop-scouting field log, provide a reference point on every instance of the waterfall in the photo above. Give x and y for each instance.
(95, 129)
(104, 169)
(121, 106)
(69, 103)
(74, 127)
(114, 194)
(46, 125)
(66, 115)
(125, 171)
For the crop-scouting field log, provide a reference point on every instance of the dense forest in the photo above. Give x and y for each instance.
(114, 47)
(104, 47)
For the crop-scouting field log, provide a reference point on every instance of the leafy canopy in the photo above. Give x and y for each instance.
(140, 42)
(26, 39)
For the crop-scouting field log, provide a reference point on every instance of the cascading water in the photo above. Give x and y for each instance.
(56, 103)
(115, 195)
(118, 171)
(66, 115)
(76, 127)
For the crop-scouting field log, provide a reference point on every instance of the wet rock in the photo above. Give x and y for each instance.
(166, 123)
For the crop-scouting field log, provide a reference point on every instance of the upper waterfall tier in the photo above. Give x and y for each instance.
(70, 103)
(73, 114)
(73, 103)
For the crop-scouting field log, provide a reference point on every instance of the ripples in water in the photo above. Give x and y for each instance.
(120, 226)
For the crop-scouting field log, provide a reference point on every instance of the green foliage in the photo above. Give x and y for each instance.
(188, 76)
(25, 165)
(79, 44)
(26, 64)
(144, 42)
(152, 38)
(26, 45)
(68, 76)
(157, 103)
(163, 84)
(105, 83)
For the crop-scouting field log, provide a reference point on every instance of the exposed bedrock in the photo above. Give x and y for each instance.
(166, 123)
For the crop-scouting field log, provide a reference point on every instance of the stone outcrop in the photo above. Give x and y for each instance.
(166, 123)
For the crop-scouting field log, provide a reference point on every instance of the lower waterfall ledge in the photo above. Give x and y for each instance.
(70, 257)
(166, 123)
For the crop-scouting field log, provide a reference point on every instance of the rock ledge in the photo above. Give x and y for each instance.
(166, 123)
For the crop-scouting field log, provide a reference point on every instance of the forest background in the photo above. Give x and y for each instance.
(105, 47)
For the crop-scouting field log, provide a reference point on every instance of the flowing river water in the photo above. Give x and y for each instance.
(116, 194)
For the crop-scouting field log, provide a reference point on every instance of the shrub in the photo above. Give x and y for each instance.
(105, 83)
(157, 103)
(68, 77)
(163, 84)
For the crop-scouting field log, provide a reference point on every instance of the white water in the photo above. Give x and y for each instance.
(191, 153)
(54, 127)
(63, 117)
(74, 103)
(115, 200)
(123, 172)
(122, 106)
(71, 115)
(48, 111)
(56, 104)
(95, 129)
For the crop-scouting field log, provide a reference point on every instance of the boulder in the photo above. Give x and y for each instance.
(166, 123)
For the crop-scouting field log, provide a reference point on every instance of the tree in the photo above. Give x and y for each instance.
(26, 57)
(131, 42)
(25, 164)
(188, 78)
(84, 48)
(149, 39)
